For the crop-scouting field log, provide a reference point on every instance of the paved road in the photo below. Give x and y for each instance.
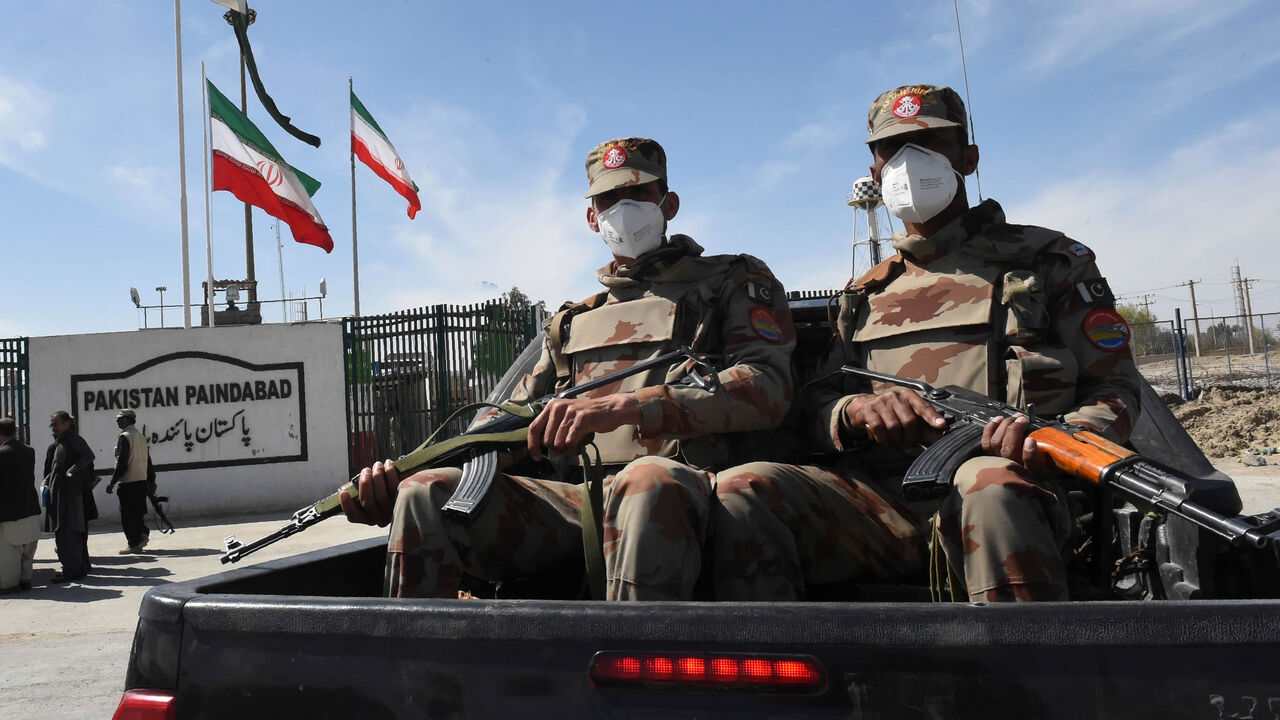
(63, 649)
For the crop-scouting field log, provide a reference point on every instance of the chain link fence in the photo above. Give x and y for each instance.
(1226, 350)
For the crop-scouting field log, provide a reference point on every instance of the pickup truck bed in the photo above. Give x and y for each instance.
(307, 636)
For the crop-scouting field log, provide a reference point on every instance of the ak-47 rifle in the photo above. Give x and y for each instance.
(1074, 450)
(162, 520)
(477, 449)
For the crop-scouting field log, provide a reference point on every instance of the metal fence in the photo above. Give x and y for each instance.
(15, 384)
(1227, 350)
(407, 371)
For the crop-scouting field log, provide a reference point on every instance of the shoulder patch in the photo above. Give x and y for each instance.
(1079, 249)
(1096, 292)
(759, 292)
(764, 325)
(1106, 330)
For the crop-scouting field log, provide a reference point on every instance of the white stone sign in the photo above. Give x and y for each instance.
(199, 409)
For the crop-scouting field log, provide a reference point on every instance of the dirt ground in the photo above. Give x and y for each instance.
(1228, 422)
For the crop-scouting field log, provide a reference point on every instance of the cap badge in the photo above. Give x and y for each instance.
(615, 157)
(907, 106)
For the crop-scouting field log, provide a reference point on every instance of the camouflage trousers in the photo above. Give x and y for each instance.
(656, 512)
(1003, 532)
(781, 527)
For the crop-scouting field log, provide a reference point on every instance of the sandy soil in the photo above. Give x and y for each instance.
(1227, 422)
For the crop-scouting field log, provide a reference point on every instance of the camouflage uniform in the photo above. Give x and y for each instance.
(658, 489)
(1015, 312)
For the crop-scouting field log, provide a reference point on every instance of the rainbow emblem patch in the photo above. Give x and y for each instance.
(1106, 330)
(765, 326)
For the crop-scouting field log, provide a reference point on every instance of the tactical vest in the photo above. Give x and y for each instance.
(680, 305)
(977, 320)
(137, 470)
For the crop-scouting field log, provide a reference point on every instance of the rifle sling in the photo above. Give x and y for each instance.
(592, 522)
(430, 450)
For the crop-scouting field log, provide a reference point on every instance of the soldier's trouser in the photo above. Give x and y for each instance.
(655, 520)
(133, 511)
(781, 527)
(1003, 532)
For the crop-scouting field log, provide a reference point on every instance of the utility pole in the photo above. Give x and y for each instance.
(1195, 312)
(1248, 310)
(1145, 302)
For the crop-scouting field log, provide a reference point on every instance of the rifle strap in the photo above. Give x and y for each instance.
(429, 450)
(593, 521)
(558, 333)
(942, 578)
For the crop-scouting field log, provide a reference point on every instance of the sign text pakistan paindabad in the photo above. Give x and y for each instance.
(175, 395)
(199, 409)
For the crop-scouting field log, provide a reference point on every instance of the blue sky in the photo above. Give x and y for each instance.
(1143, 128)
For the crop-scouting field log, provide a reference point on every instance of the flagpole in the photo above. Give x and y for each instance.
(182, 174)
(208, 220)
(351, 153)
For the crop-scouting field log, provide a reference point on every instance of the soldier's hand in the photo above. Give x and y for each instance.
(1007, 437)
(377, 501)
(564, 424)
(898, 417)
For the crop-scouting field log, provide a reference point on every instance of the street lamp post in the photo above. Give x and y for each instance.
(160, 289)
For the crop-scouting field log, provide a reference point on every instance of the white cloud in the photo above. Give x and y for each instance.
(1090, 28)
(1187, 218)
(494, 214)
(142, 188)
(24, 114)
(800, 147)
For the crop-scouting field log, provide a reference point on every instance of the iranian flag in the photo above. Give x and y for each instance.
(373, 148)
(245, 163)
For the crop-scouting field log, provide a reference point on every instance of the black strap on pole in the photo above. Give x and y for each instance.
(241, 25)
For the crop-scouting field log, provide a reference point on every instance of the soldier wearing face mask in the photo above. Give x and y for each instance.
(1017, 312)
(660, 441)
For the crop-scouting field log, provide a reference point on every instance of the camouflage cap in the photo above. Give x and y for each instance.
(911, 108)
(127, 413)
(624, 161)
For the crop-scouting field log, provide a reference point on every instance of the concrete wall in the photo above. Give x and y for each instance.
(239, 419)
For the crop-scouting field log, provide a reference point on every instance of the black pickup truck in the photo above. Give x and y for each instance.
(1175, 634)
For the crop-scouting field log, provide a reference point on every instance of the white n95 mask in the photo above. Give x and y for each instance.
(918, 183)
(632, 228)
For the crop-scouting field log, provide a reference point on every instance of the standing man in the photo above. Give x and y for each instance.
(1017, 312)
(19, 509)
(660, 440)
(134, 472)
(67, 473)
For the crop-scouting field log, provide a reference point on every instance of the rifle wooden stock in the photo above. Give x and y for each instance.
(1083, 454)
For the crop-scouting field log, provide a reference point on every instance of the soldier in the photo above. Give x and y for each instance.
(660, 441)
(1017, 312)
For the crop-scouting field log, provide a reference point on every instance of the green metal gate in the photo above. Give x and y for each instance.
(407, 371)
(15, 384)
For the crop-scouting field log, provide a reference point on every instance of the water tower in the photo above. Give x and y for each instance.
(865, 199)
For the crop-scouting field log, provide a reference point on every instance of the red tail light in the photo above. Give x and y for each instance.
(800, 674)
(146, 705)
